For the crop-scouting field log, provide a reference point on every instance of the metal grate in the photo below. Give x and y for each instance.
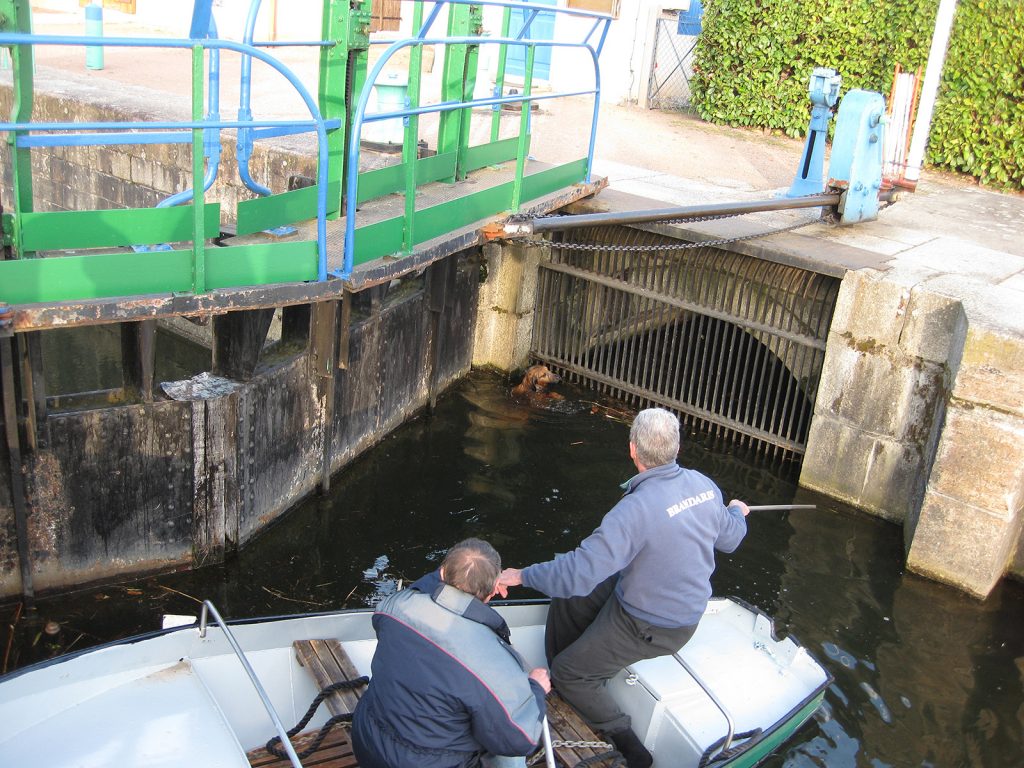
(731, 343)
(671, 68)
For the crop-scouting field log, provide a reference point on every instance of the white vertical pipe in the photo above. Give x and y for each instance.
(932, 75)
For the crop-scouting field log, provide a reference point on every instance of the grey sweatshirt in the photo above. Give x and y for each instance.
(660, 538)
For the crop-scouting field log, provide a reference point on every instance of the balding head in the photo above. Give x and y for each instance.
(472, 566)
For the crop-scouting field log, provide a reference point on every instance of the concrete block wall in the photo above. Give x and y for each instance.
(504, 324)
(881, 399)
(969, 532)
(920, 420)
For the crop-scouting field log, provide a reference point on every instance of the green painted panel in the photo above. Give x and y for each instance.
(285, 208)
(261, 264)
(436, 221)
(435, 168)
(380, 182)
(64, 278)
(491, 154)
(375, 240)
(65, 230)
(559, 177)
(384, 181)
(385, 238)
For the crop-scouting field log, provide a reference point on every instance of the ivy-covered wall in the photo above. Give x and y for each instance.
(755, 58)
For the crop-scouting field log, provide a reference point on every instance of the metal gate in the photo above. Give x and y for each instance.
(671, 67)
(731, 343)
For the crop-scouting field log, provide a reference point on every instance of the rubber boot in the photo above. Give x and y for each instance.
(631, 748)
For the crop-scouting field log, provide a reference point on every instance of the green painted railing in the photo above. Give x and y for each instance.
(190, 264)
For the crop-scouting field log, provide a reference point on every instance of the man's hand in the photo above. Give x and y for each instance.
(542, 677)
(742, 505)
(509, 578)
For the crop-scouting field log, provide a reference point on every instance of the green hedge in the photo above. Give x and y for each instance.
(755, 58)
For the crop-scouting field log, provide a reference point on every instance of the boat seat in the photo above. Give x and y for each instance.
(328, 663)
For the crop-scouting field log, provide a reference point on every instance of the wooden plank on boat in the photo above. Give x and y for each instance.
(567, 725)
(327, 661)
(334, 752)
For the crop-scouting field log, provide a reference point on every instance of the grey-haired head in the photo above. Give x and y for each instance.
(655, 436)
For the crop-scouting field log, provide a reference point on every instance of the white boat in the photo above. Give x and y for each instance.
(184, 697)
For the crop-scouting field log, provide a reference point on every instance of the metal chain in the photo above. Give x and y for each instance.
(666, 246)
(581, 744)
(571, 745)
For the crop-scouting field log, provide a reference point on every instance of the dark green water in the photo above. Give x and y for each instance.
(924, 676)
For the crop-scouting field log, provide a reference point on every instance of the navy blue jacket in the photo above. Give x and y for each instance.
(446, 684)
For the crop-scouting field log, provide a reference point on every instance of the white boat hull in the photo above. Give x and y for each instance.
(176, 698)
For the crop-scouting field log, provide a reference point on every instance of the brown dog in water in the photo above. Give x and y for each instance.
(535, 384)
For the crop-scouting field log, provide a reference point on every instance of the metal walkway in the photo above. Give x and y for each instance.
(107, 265)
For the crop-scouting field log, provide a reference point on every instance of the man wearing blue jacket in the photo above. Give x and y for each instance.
(447, 689)
(638, 585)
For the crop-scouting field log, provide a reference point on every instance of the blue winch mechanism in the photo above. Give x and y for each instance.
(854, 185)
(855, 167)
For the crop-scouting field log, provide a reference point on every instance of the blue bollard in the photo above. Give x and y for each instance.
(94, 28)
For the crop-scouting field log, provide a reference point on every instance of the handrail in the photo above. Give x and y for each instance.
(318, 122)
(549, 752)
(711, 695)
(208, 608)
(360, 116)
(211, 140)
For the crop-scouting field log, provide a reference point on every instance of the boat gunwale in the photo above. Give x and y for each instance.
(818, 692)
(133, 639)
(153, 634)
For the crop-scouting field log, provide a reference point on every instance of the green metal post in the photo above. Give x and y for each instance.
(341, 78)
(410, 146)
(459, 81)
(524, 130)
(499, 78)
(15, 17)
(198, 191)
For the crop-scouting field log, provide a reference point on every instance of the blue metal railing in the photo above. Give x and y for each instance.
(182, 132)
(211, 139)
(273, 127)
(360, 116)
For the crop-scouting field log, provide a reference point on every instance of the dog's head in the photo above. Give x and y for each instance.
(539, 377)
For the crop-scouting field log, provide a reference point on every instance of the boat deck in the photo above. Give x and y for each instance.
(328, 663)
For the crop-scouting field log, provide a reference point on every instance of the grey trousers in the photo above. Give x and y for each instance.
(589, 639)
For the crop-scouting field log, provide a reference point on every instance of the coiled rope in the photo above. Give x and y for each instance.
(344, 685)
(732, 751)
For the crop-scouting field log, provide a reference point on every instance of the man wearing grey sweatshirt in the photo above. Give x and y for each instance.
(638, 585)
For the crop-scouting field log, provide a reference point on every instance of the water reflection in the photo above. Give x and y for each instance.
(924, 676)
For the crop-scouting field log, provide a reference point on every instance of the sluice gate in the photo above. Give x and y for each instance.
(733, 344)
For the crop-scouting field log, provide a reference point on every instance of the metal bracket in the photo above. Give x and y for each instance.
(856, 164)
(824, 93)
